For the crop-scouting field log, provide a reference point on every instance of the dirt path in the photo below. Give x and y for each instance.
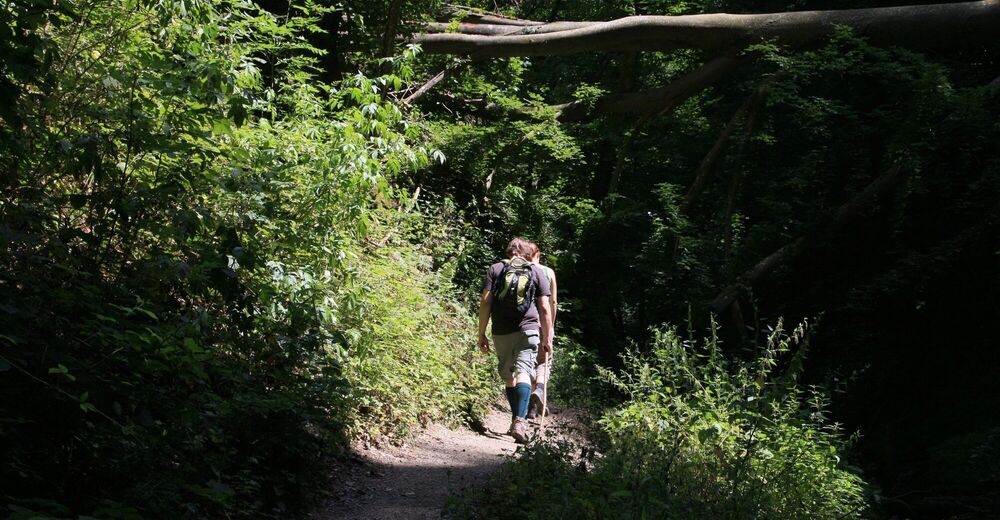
(415, 480)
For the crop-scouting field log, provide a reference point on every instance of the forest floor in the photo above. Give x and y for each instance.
(414, 481)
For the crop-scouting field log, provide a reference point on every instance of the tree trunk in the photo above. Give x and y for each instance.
(391, 24)
(721, 31)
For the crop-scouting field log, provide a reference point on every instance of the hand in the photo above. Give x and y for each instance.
(484, 344)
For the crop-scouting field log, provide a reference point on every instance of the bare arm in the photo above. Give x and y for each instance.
(545, 316)
(555, 306)
(485, 304)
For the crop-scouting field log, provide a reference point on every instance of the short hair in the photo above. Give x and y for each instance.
(519, 247)
(535, 251)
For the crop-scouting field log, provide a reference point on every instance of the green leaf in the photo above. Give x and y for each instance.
(192, 345)
(222, 127)
(61, 369)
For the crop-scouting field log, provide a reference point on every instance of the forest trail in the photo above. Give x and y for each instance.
(414, 481)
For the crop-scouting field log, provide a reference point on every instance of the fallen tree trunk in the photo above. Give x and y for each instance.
(721, 31)
(503, 29)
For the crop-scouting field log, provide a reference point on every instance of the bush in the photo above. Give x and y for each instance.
(413, 354)
(185, 328)
(700, 436)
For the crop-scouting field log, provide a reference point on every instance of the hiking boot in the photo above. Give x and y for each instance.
(520, 431)
(534, 406)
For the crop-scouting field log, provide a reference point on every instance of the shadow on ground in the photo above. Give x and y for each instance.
(415, 480)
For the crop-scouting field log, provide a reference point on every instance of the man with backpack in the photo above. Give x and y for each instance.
(516, 297)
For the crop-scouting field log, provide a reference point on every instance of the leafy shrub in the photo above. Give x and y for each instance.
(182, 210)
(701, 436)
(412, 344)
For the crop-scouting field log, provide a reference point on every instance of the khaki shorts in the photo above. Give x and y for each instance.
(516, 353)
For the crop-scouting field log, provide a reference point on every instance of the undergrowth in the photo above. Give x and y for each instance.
(412, 343)
(701, 435)
(196, 311)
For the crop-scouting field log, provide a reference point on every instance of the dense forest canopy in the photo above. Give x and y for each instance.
(235, 235)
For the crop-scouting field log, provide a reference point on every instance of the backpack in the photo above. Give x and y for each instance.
(514, 290)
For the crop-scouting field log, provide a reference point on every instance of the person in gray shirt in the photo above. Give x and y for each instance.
(516, 299)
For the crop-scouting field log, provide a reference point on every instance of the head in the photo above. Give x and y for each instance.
(536, 253)
(519, 247)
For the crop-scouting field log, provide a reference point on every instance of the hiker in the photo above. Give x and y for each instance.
(536, 404)
(516, 297)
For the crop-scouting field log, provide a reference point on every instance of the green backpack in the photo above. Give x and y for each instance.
(514, 290)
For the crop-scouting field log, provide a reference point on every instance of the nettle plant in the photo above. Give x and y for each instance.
(717, 436)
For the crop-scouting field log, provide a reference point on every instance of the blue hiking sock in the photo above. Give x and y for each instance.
(512, 400)
(522, 391)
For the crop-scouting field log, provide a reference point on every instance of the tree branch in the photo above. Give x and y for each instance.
(663, 99)
(720, 31)
(437, 78)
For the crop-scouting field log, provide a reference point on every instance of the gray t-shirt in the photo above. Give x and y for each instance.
(529, 321)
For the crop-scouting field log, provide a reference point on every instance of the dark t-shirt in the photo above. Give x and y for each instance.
(507, 324)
